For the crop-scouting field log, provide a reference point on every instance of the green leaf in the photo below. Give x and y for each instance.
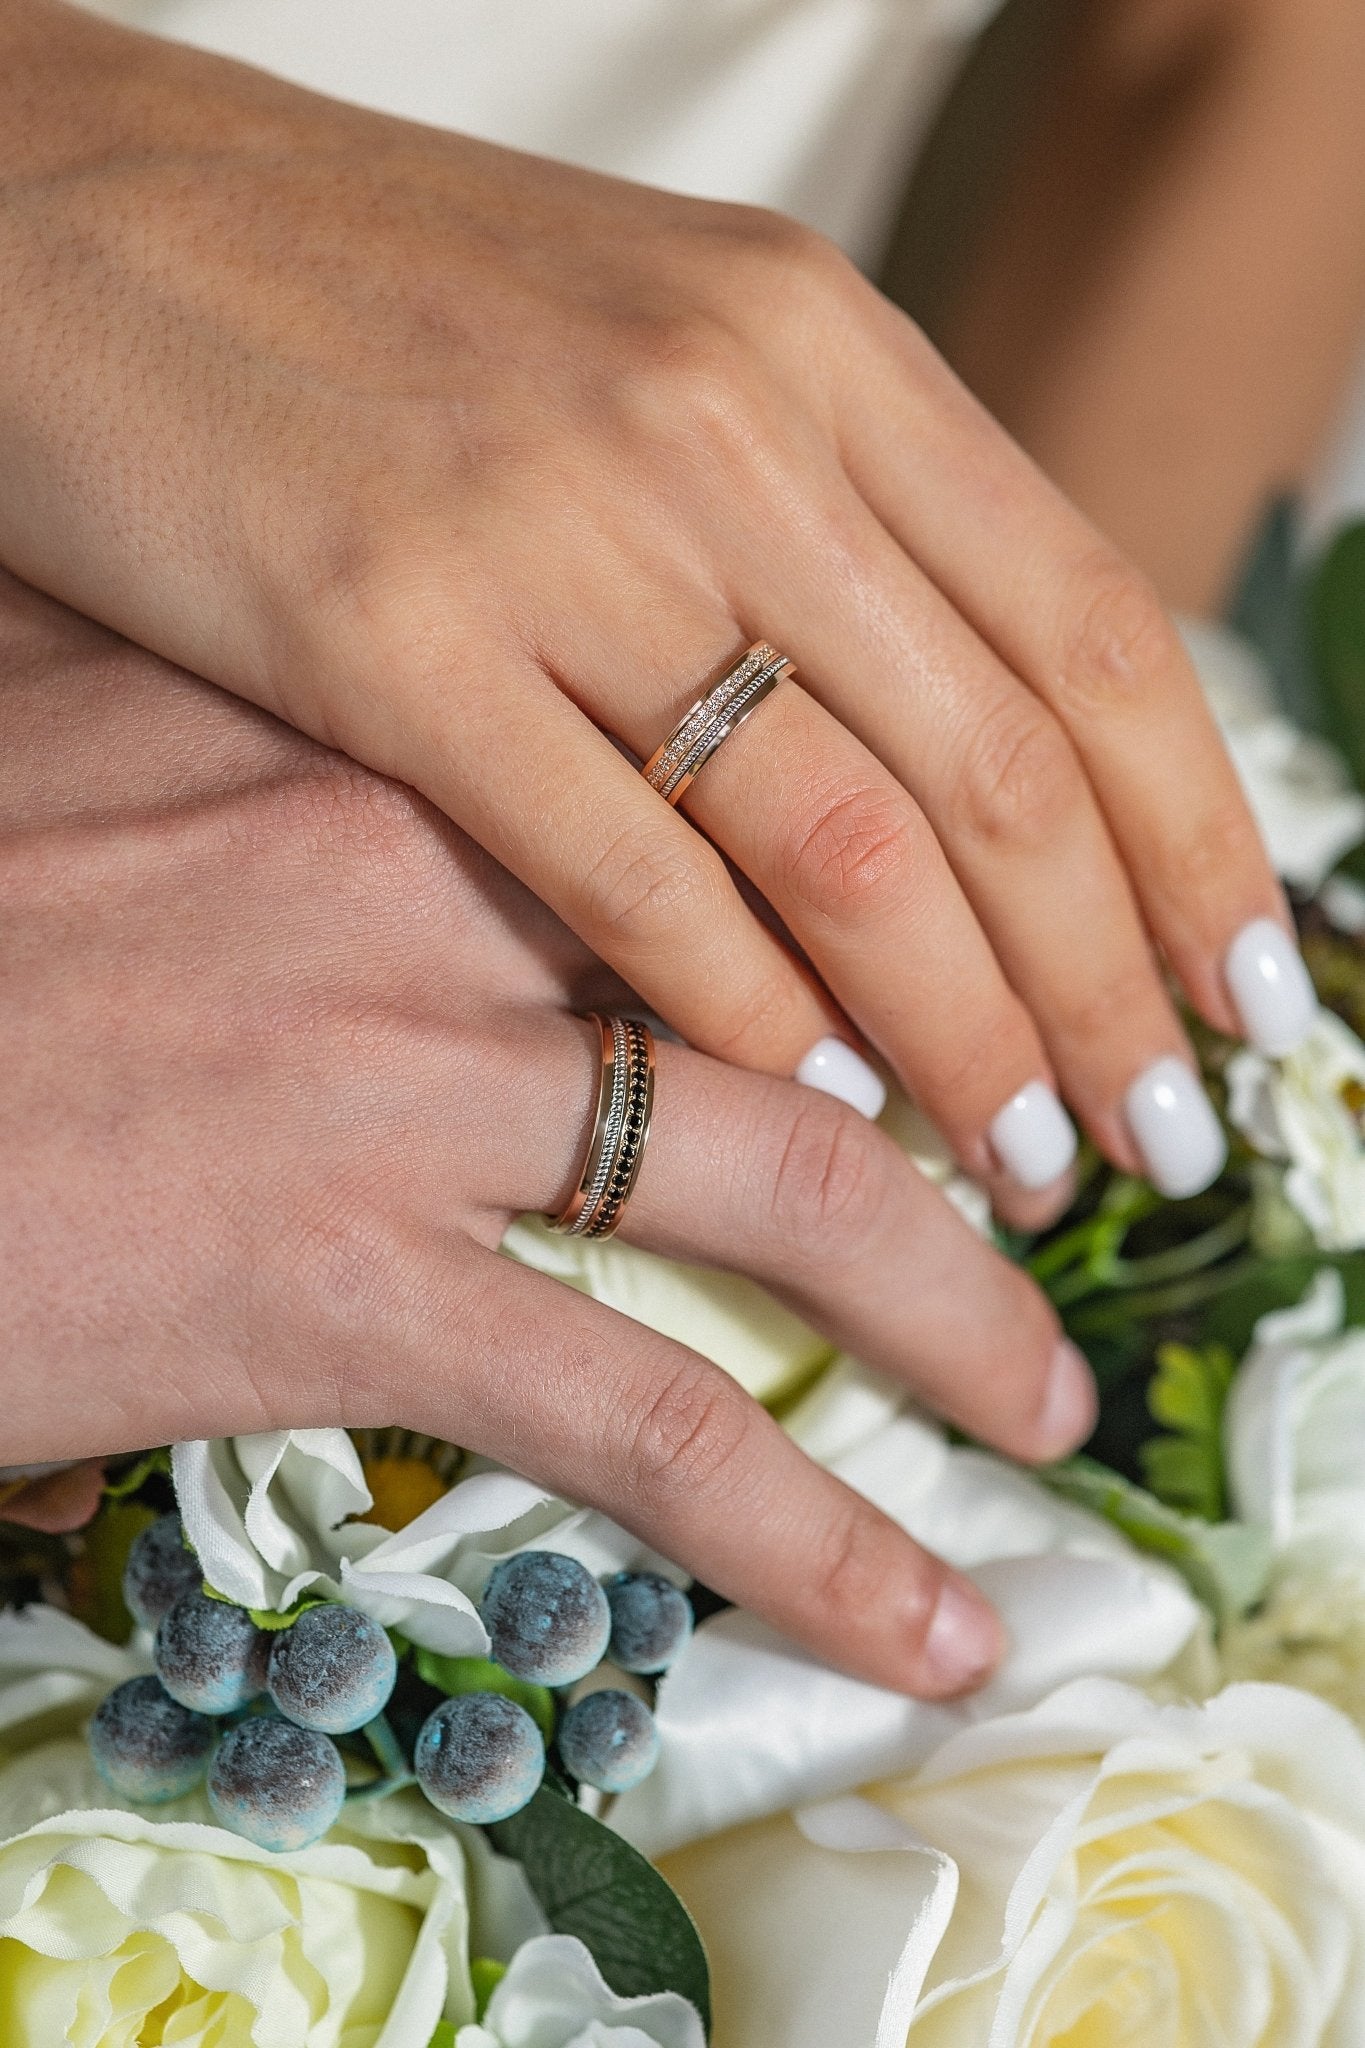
(136, 1477)
(485, 1975)
(269, 1618)
(1276, 1284)
(1338, 617)
(1270, 610)
(1188, 1393)
(592, 1884)
(444, 2037)
(456, 1676)
(95, 1580)
(1224, 1563)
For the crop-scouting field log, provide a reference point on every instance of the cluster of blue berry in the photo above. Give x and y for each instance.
(259, 1710)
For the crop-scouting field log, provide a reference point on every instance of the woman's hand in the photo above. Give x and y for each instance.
(473, 465)
(283, 1055)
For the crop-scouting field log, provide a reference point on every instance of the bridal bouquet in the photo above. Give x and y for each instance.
(317, 1740)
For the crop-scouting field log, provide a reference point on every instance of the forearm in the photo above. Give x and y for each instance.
(1168, 302)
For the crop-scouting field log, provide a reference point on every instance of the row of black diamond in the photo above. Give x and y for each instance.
(632, 1134)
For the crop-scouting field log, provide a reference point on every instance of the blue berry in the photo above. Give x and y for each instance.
(210, 1655)
(334, 1669)
(159, 1570)
(547, 1617)
(146, 1745)
(650, 1621)
(479, 1758)
(280, 1786)
(610, 1740)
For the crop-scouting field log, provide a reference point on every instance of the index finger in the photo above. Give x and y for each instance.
(605, 1411)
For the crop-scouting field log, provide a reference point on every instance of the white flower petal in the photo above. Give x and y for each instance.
(553, 1996)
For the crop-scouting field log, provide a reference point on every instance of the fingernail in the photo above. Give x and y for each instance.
(1033, 1137)
(1271, 988)
(1070, 1408)
(836, 1069)
(1176, 1130)
(965, 1640)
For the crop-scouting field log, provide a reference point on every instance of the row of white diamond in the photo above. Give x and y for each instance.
(708, 723)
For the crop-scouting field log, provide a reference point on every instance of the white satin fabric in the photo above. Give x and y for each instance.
(813, 106)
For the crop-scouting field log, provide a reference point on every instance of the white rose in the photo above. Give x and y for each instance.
(270, 1517)
(1294, 1442)
(553, 1996)
(1294, 1430)
(1099, 1869)
(750, 1725)
(730, 1320)
(1306, 1111)
(1299, 788)
(117, 1927)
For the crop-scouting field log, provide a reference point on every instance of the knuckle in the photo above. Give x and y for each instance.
(856, 851)
(1107, 1012)
(831, 1182)
(1119, 643)
(1021, 778)
(850, 1570)
(687, 1433)
(754, 1020)
(777, 242)
(1223, 844)
(380, 604)
(639, 889)
(694, 380)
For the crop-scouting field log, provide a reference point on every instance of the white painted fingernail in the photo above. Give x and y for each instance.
(1177, 1132)
(1033, 1137)
(1070, 1406)
(836, 1069)
(1271, 987)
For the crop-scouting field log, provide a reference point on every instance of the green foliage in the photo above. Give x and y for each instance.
(1224, 1563)
(592, 1884)
(95, 1579)
(1270, 610)
(271, 1619)
(135, 1478)
(444, 2037)
(1337, 609)
(485, 1975)
(456, 1676)
(1187, 1394)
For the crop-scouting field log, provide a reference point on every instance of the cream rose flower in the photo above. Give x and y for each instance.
(272, 1517)
(1306, 1111)
(553, 1996)
(120, 1927)
(1098, 1870)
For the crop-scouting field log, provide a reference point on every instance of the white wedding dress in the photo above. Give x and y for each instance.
(813, 106)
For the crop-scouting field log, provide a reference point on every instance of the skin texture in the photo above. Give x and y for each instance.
(284, 1054)
(1169, 299)
(471, 465)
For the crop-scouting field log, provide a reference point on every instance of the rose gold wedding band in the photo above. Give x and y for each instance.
(712, 719)
(625, 1102)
